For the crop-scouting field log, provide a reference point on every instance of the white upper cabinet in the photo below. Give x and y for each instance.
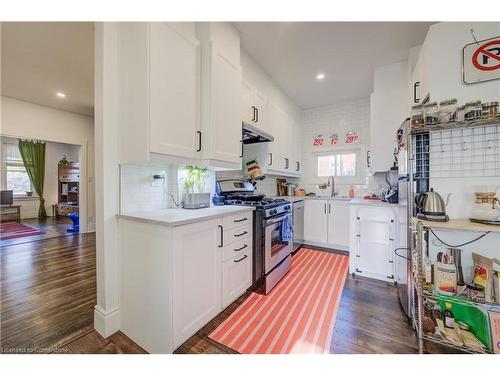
(174, 65)
(221, 131)
(253, 106)
(282, 152)
(180, 93)
(221, 124)
(159, 91)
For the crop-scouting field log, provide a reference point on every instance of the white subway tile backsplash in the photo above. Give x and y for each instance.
(137, 190)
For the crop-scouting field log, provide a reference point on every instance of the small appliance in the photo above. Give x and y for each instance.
(431, 206)
(196, 200)
(391, 192)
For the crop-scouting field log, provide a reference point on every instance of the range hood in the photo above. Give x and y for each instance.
(252, 134)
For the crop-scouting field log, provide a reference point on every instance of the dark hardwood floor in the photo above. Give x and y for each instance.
(48, 292)
(53, 227)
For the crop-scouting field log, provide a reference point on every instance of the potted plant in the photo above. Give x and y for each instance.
(194, 186)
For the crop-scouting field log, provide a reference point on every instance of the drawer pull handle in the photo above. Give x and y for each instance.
(241, 234)
(239, 260)
(221, 236)
(240, 220)
(241, 248)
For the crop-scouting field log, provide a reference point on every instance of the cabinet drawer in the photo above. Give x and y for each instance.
(233, 221)
(236, 234)
(236, 277)
(236, 249)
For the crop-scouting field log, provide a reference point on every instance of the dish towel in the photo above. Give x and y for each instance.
(286, 229)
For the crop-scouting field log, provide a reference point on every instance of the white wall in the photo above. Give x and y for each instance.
(21, 119)
(53, 153)
(388, 109)
(443, 45)
(340, 117)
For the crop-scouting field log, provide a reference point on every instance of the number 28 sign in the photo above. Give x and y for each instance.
(481, 61)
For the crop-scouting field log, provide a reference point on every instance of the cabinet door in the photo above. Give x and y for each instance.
(236, 277)
(174, 91)
(374, 247)
(297, 143)
(247, 103)
(338, 224)
(260, 102)
(315, 221)
(197, 284)
(224, 133)
(279, 149)
(274, 128)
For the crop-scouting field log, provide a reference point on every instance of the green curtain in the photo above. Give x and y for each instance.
(33, 154)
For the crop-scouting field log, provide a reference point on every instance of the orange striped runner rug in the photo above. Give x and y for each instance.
(297, 316)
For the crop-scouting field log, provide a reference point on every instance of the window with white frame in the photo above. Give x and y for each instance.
(15, 175)
(338, 164)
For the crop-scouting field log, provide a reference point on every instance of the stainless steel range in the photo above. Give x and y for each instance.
(272, 244)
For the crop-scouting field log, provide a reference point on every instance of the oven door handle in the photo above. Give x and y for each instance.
(276, 220)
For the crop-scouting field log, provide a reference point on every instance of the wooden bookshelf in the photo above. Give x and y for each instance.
(68, 176)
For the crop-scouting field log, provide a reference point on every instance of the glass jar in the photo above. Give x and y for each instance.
(489, 110)
(417, 115)
(461, 113)
(447, 111)
(473, 110)
(431, 113)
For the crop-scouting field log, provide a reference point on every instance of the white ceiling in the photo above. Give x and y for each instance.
(292, 53)
(42, 58)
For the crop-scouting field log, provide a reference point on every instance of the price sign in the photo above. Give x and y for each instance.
(351, 138)
(318, 140)
(334, 139)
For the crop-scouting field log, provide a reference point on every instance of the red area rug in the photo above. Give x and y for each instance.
(17, 230)
(298, 316)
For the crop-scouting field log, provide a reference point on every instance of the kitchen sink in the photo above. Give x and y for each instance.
(337, 197)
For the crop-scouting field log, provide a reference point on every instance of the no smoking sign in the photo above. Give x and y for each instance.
(481, 61)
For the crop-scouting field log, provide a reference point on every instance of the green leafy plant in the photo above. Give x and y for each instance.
(196, 177)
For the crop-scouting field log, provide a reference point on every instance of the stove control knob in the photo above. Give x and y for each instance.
(273, 212)
(287, 208)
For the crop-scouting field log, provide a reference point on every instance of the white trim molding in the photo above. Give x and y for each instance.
(106, 322)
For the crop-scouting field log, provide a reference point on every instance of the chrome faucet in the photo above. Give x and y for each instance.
(331, 182)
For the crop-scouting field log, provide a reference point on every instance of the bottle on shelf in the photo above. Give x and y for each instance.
(449, 318)
(351, 192)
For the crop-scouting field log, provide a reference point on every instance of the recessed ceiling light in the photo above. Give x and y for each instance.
(320, 76)
(60, 94)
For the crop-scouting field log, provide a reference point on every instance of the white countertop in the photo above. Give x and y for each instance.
(357, 201)
(179, 216)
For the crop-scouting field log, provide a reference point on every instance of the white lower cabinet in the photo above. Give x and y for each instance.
(338, 224)
(174, 280)
(373, 239)
(197, 271)
(326, 223)
(236, 276)
(315, 221)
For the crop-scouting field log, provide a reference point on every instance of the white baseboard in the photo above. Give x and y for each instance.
(326, 246)
(90, 227)
(106, 322)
